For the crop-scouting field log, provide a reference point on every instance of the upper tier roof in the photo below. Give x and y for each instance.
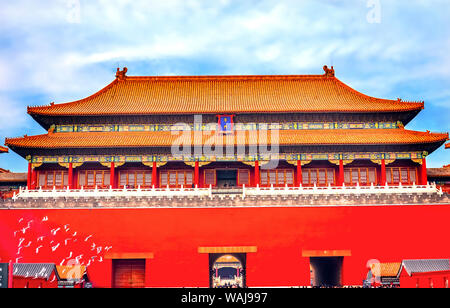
(3, 149)
(225, 94)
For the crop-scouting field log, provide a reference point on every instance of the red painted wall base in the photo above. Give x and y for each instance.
(172, 237)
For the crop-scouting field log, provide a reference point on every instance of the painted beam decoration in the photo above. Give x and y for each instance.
(78, 160)
(226, 123)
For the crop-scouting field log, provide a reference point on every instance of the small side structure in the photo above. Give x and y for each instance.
(425, 273)
(35, 275)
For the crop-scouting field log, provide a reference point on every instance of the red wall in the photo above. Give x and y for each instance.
(424, 280)
(390, 233)
(20, 282)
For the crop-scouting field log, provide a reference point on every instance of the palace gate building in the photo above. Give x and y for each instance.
(300, 179)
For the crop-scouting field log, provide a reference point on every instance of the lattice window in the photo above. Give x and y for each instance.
(210, 177)
(243, 177)
(405, 175)
(277, 177)
(361, 176)
(135, 178)
(176, 178)
(319, 176)
(49, 179)
(94, 178)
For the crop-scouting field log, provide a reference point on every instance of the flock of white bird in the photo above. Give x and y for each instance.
(71, 241)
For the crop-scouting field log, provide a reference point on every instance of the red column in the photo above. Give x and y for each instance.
(257, 179)
(423, 172)
(33, 178)
(70, 176)
(299, 173)
(341, 172)
(196, 174)
(383, 172)
(30, 170)
(112, 179)
(154, 175)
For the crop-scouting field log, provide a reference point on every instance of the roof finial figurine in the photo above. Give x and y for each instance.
(329, 72)
(121, 74)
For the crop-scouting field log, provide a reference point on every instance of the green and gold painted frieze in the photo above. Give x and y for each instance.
(214, 126)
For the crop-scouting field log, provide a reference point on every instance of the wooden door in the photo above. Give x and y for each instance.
(128, 273)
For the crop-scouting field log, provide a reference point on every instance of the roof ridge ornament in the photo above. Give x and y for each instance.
(121, 74)
(329, 72)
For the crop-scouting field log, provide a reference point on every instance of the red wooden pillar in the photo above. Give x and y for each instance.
(154, 175)
(30, 170)
(383, 172)
(33, 178)
(299, 173)
(112, 179)
(341, 172)
(423, 172)
(257, 178)
(196, 174)
(70, 176)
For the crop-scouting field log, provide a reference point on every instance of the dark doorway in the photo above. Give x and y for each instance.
(227, 270)
(326, 271)
(226, 178)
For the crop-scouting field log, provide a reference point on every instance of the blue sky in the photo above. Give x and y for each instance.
(63, 50)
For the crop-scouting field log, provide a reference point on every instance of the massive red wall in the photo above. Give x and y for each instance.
(389, 233)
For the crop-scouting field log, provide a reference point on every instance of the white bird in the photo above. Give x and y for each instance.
(75, 233)
(18, 251)
(25, 229)
(87, 238)
(20, 241)
(45, 218)
(54, 231)
(29, 223)
(17, 259)
(20, 220)
(41, 238)
(55, 247)
(77, 259)
(70, 256)
(28, 245)
(100, 259)
(66, 228)
(62, 262)
(66, 240)
(37, 249)
(108, 248)
(93, 246)
(15, 233)
(99, 249)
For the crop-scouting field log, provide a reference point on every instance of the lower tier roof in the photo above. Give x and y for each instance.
(167, 139)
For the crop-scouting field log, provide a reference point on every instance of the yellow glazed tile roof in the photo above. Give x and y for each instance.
(225, 94)
(167, 139)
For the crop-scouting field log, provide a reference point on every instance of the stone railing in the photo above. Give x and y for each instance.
(112, 193)
(343, 190)
(430, 189)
